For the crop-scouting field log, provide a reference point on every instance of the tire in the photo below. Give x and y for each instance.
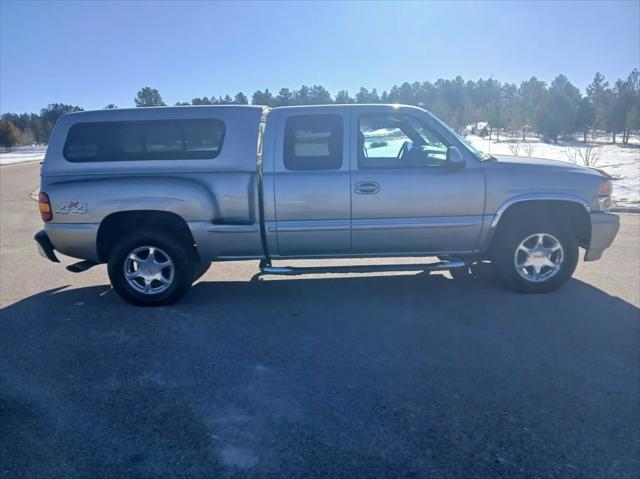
(175, 278)
(200, 268)
(519, 243)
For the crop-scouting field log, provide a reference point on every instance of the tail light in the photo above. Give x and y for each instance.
(44, 205)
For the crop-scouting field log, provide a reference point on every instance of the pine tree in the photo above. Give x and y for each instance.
(200, 101)
(343, 98)
(148, 96)
(559, 111)
(366, 96)
(9, 134)
(284, 98)
(39, 134)
(585, 117)
(319, 95)
(222, 100)
(362, 96)
(532, 93)
(632, 120)
(600, 95)
(263, 98)
(301, 96)
(620, 107)
(240, 99)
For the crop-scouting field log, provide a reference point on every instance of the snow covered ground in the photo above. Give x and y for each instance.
(622, 162)
(21, 154)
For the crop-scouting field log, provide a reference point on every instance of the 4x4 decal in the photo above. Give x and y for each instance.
(77, 207)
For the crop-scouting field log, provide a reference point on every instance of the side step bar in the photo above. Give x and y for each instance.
(267, 268)
(81, 266)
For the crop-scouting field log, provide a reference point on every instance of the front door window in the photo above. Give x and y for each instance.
(397, 141)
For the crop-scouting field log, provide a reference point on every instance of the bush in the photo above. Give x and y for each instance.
(514, 148)
(589, 155)
(9, 134)
(529, 149)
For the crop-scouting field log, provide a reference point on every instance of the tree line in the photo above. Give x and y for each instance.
(548, 110)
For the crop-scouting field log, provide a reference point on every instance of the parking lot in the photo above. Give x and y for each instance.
(410, 375)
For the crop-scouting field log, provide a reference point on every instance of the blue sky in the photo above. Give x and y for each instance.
(95, 53)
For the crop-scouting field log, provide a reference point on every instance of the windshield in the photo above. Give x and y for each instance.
(483, 156)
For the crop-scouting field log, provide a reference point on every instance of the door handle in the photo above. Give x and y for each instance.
(366, 187)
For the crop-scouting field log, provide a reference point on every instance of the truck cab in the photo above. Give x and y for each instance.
(343, 179)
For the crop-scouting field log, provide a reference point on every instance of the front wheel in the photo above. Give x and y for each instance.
(536, 258)
(149, 268)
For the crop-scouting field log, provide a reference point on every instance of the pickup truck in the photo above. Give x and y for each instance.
(160, 193)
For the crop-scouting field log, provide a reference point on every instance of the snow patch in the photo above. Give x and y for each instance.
(22, 154)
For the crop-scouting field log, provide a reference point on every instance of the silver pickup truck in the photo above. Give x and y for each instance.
(160, 193)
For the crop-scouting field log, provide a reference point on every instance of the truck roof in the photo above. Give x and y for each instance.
(354, 105)
(150, 111)
(168, 109)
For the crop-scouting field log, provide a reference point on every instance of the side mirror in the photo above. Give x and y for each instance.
(455, 160)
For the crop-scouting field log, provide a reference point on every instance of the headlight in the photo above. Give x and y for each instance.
(604, 195)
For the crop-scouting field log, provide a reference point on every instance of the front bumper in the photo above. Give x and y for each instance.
(45, 248)
(604, 227)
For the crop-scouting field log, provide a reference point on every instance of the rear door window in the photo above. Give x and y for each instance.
(144, 140)
(313, 142)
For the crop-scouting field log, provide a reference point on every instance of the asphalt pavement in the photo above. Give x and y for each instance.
(409, 375)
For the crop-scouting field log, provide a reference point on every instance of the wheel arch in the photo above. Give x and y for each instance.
(572, 210)
(113, 226)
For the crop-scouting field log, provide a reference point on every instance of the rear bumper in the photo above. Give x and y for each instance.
(77, 240)
(604, 227)
(45, 248)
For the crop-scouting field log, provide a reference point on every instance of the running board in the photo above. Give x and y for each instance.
(267, 268)
(81, 266)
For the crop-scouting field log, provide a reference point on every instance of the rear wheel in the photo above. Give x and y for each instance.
(149, 268)
(536, 258)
